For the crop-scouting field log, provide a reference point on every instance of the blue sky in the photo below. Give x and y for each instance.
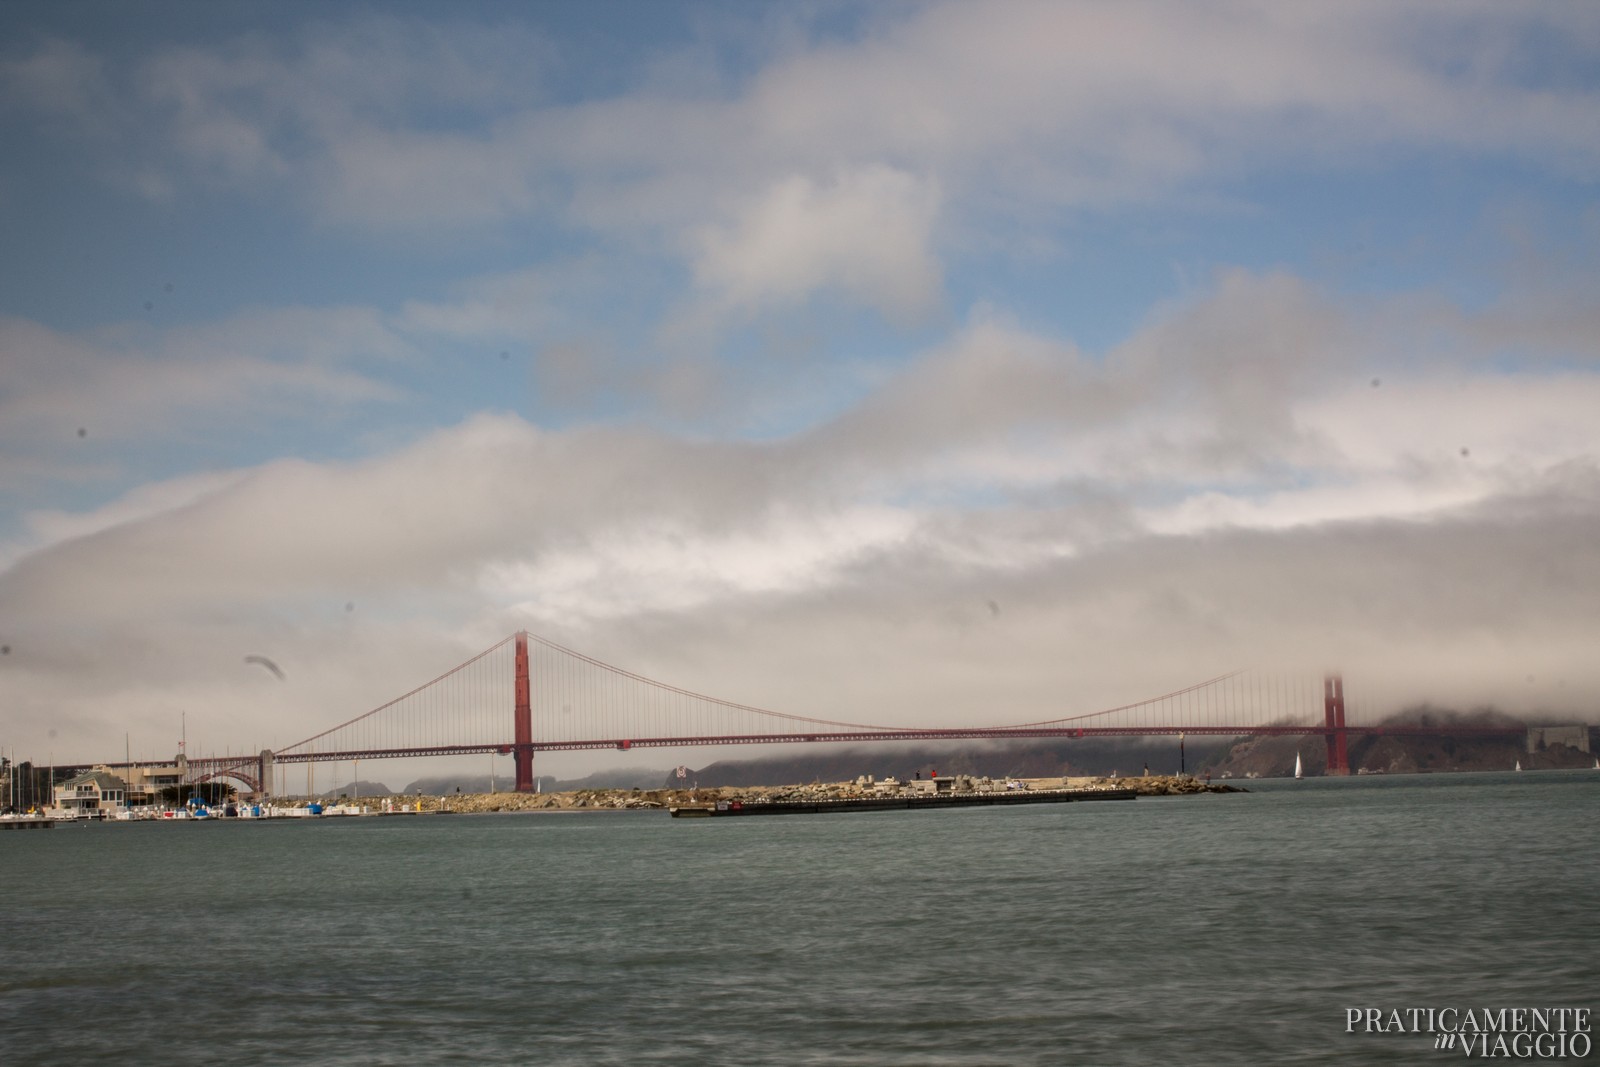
(718, 338)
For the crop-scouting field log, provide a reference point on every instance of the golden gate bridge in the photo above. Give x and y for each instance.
(526, 694)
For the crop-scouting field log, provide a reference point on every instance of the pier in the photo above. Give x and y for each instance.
(904, 802)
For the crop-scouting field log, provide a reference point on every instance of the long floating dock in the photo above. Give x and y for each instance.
(923, 802)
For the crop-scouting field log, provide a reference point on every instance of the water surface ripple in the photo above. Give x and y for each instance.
(1234, 929)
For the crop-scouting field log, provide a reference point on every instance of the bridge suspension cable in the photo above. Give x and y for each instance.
(579, 701)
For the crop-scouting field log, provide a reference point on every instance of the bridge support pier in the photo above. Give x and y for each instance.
(522, 750)
(1333, 724)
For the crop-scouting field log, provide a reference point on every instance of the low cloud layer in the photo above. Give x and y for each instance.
(1002, 531)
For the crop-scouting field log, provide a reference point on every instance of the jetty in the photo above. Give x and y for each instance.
(916, 801)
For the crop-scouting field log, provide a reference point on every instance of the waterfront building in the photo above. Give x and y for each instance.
(95, 794)
(146, 783)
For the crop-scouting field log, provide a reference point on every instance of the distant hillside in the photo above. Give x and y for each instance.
(1267, 757)
(357, 789)
(1040, 759)
(1274, 756)
(616, 778)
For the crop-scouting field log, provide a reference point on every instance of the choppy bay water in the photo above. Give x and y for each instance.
(1226, 929)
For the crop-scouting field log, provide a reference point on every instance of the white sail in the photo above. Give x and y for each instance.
(1297, 765)
(1519, 765)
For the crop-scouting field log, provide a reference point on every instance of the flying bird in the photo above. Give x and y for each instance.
(267, 663)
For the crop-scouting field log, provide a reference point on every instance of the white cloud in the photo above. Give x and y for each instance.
(678, 566)
(866, 233)
(140, 384)
(46, 528)
(837, 166)
(61, 79)
(772, 575)
(424, 180)
(82, 412)
(552, 299)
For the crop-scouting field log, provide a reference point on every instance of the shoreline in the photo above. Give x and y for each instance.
(652, 799)
(958, 790)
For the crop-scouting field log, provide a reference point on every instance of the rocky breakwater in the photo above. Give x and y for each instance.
(634, 799)
(1152, 785)
(1166, 785)
(581, 800)
(628, 799)
(865, 788)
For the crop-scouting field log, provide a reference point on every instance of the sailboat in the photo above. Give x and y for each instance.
(1519, 765)
(1297, 773)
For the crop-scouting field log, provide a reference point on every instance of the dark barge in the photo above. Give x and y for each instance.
(914, 802)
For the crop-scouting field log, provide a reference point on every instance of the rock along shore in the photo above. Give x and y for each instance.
(626, 799)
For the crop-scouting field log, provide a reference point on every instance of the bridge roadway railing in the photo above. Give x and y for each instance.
(251, 769)
(909, 734)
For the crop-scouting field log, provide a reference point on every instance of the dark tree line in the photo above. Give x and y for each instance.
(210, 794)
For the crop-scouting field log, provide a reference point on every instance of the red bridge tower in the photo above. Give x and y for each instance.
(1333, 724)
(522, 751)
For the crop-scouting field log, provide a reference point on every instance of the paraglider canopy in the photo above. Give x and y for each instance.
(267, 663)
